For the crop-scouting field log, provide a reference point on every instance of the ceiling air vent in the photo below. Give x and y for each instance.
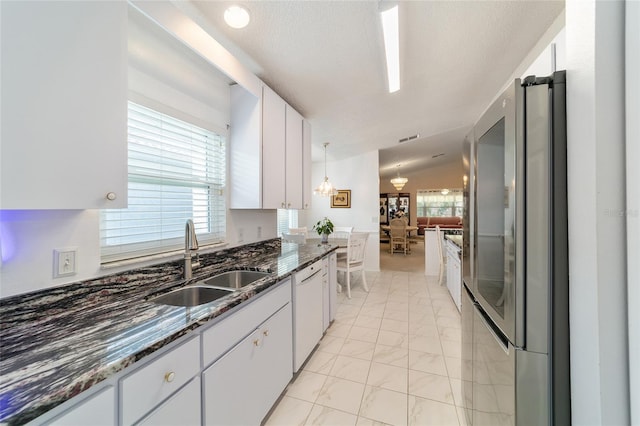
(409, 138)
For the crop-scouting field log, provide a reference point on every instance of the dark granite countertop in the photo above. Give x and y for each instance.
(58, 342)
(455, 239)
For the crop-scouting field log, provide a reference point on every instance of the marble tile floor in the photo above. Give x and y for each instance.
(391, 357)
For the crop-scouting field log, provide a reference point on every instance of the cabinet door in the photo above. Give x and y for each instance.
(325, 303)
(273, 149)
(241, 387)
(97, 410)
(182, 409)
(245, 150)
(64, 105)
(307, 185)
(333, 286)
(274, 363)
(294, 159)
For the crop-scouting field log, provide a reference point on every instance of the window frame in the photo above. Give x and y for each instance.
(455, 206)
(203, 167)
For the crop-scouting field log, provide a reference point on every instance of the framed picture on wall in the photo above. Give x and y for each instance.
(342, 199)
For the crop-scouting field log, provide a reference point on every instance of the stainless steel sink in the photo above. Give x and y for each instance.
(234, 279)
(192, 296)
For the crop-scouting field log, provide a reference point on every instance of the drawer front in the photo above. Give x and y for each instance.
(98, 410)
(182, 409)
(148, 386)
(224, 335)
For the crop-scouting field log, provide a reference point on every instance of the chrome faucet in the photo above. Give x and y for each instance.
(190, 249)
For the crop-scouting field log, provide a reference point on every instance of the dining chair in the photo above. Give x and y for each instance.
(398, 235)
(303, 230)
(354, 260)
(341, 232)
(294, 238)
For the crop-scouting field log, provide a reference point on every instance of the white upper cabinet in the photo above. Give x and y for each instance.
(307, 189)
(273, 150)
(294, 159)
(64, 105)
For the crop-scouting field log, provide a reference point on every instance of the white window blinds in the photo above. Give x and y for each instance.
(438, 202)
(176, 172)
(287, 219)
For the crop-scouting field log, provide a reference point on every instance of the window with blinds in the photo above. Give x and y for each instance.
(287, 219)
(176, 172)
(439, 203)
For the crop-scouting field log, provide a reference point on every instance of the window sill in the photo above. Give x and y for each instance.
(167, 256)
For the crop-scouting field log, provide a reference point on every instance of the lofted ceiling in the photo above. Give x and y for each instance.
(326, 59)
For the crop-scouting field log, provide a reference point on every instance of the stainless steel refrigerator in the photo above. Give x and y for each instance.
(515, 310)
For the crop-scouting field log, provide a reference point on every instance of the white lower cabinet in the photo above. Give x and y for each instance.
(182, 409)
(249, 355)
(329, 290)
(333, 285)
(325, 295)
(98, 410)
(454, 278)
(241, 387)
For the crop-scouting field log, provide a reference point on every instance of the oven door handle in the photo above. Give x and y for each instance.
(309, 277)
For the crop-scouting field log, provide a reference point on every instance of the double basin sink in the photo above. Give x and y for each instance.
(209, 290)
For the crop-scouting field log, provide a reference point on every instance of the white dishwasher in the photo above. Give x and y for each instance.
(307, 312)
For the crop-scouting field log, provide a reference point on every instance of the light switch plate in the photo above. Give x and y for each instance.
(64, 262)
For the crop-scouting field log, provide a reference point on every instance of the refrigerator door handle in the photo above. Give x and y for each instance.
(499, 337)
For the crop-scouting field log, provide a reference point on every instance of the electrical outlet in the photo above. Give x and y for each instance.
(259, 232)
(64, 262)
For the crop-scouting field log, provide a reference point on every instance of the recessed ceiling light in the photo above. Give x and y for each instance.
(236, 16)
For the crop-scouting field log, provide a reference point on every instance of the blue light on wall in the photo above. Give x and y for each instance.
(8, 245)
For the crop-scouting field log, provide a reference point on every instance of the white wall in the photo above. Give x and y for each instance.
(543, 64)
(360, 175)
(632, 59)
(597, 235)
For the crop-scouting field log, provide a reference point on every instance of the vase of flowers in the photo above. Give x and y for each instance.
(324, 227)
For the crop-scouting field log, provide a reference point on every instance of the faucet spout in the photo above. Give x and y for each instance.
(190, 249)
(190, 238)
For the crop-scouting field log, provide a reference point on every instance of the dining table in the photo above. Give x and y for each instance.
(408, 228)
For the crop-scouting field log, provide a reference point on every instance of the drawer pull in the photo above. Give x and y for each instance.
(266, 332)
(256, 342)
(168, 377)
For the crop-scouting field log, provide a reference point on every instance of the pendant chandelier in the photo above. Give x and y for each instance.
(325, 189)
(399, 182)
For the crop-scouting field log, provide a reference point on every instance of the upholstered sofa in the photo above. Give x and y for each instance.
(444, 222)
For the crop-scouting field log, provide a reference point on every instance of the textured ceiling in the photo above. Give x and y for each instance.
(326, 59)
